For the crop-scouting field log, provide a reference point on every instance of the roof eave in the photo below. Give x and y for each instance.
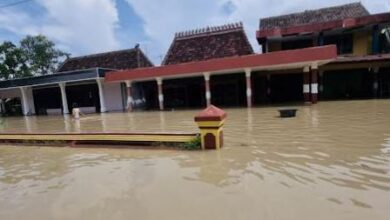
(318, 27)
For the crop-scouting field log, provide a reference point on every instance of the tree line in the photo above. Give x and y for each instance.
(34, 56)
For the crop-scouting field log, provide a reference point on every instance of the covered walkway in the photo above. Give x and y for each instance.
(232, 81)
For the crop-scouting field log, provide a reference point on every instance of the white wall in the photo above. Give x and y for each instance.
(16, 93)
(113, 96)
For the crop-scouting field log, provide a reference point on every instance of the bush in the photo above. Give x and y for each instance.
(194, 144)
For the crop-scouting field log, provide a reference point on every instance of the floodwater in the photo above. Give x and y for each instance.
(330, 162)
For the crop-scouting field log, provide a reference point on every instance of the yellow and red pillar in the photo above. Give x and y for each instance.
(210, 122)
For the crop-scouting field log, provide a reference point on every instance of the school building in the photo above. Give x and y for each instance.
(333, 53)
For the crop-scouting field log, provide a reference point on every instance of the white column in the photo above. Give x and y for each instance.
(65, 108)
(160, 93)
(129, 103)
(207, 88)
(248, 87)
(100, 83)
(25, 105)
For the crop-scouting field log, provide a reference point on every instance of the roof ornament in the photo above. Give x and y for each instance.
(209, 29)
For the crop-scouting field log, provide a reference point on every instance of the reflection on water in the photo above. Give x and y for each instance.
(331, 162)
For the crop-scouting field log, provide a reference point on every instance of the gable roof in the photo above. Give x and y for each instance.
(208, 43)
(340, 12)
(121, 59)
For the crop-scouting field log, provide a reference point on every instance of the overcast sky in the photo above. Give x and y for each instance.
(89, 26)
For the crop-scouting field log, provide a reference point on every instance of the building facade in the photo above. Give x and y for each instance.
(78, 82)
(340, 52)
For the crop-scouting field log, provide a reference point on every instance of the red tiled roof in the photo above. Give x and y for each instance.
(340, 12)
(122, 59)
(211, 113)
(208, 43)
(313, 54)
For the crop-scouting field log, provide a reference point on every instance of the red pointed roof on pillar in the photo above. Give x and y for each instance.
(211, 113)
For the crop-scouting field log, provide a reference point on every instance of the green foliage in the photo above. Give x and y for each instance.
(42, 56)
(12, 62)
(194, 144)
(36, 56)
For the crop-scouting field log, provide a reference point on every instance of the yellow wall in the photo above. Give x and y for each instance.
(361, 43)
(274, 46)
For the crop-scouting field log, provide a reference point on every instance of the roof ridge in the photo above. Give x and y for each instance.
(209, 30)
(312, 10)
(102, 53)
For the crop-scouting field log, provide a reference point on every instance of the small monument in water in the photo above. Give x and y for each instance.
(210, 122)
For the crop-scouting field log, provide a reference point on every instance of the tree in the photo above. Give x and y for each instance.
(12, 62)
(42, 56)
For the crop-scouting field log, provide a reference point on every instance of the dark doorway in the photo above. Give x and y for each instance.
(145, 95)
(259, 89)
(47, 98)
(84, 95)
(12, 107)
(228, 90)
(184, 93)
(347, 84)
(384, 82)
(286, 88)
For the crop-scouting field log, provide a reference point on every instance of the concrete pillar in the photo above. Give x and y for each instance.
(64, 99)
(306, 85)
(248, 73)
(314, 84)
(207, 88)
(100, 83)
(375, 84)
(129, 103)
(160, 93)
(25, 105)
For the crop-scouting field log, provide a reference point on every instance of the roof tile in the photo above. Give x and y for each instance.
(208, 43)
(340, 12)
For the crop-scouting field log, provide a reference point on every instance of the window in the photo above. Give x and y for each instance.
(344, 42)
(297, 44)
(384, 41)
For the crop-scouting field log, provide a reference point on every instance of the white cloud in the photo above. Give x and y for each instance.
(80, 27)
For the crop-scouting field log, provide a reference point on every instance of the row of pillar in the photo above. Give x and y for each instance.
(129, 103)
(310, 88)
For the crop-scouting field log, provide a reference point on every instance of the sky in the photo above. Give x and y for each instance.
(82, 27)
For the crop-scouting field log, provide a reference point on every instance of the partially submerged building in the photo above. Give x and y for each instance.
(79, 81)
(361, 69)
(340, 52)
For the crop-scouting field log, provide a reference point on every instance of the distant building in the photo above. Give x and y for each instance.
(79, 81)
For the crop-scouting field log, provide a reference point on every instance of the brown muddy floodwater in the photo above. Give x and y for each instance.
(330, 162)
